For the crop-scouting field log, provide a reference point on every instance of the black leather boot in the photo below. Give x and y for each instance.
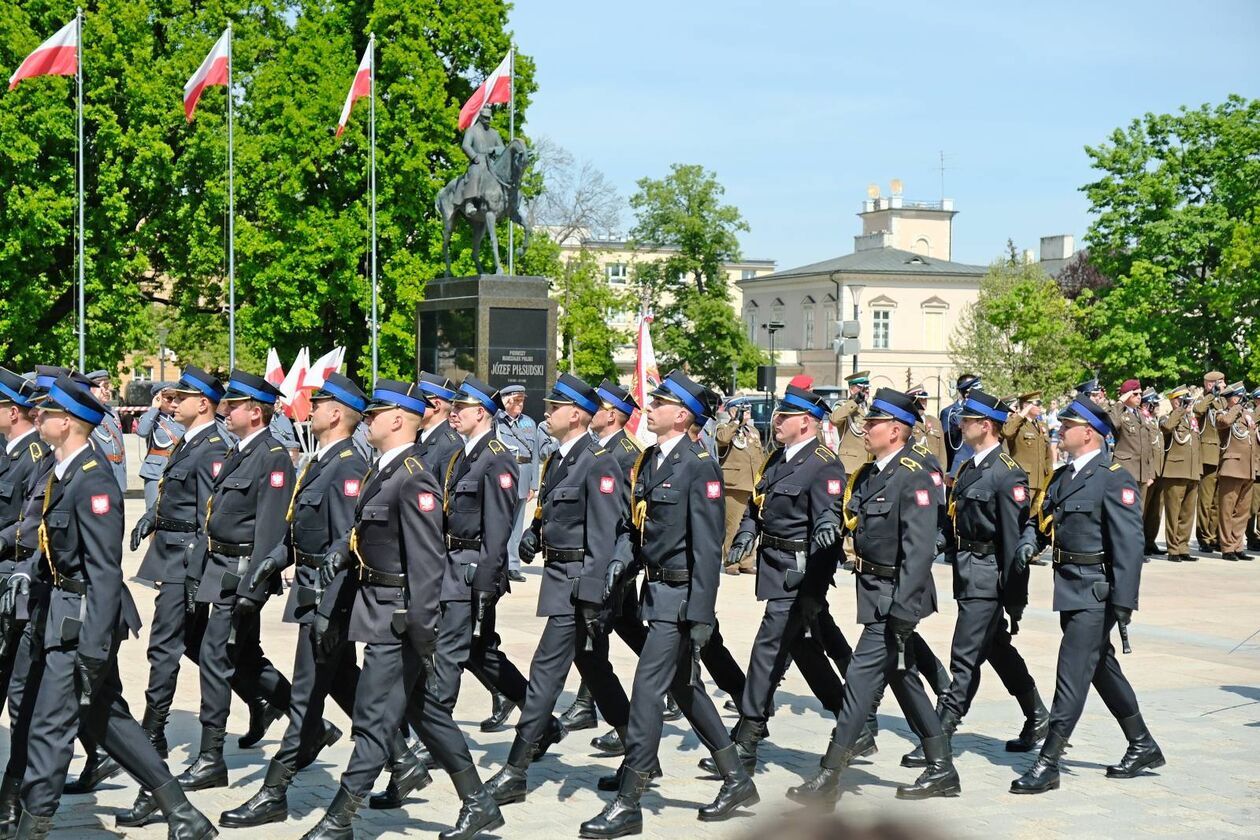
(672, 712)
(31, 827)
(338, 820)
(939, 778)
(308, 756)
(581, 715)
(499, 712)
(144, 811)
(613, 782)
(610, 743)
(1044, 773)
(208, 770)
(508, 786)
(824, 788)
(737, 786)
(154, 726)
(865, 744)
(261, 715)
(10, 804)
(949, 725)
(183, 821)
(1036, 723)
(1143, 753)
(271, 804)
(98, 767)
(555, 734)
(478, 813)
(407, 773)
(622, 816)
(746, 734)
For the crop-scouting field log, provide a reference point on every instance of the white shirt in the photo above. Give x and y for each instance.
(1079, 462)
(882, 463)
(984, 453)
(603, 442)
(793, 450)
(424, 433)
(322, 450)
(564, 449)
(243, 442)
(663, 449)
(197, 431)
(471, 442)
(389, 456)
(15, 444)
(64, 463)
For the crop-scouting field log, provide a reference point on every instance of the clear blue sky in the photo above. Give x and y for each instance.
(798, 104)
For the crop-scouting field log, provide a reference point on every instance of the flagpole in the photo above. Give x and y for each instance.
(372, 185)
(78, 80)
(511, 137)
(231, 218)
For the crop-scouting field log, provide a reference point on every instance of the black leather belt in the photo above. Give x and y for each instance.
(771, 541)
(376, 577)
(866, 567)
(982, 548)
(472, 543)
(69, 584)
(656, 573)
(161, 523)
(309, 561)
(1072, 558)
(231, 549)
(563, 555)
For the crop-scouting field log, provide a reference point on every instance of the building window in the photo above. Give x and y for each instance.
(922, 246)
(750, 318)
(882, 328)
(776, 310)
(807, 313)
(617, 274)
(748, 274)
(934, 330)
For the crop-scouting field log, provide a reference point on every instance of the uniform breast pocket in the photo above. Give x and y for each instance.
(789, 491)
(374, 524)
(980, 494)
(877, 508)
(6, 490)
(177, 475)
(566, 503)
(465, 495)
(235, 492)
(58, 522)
(305, 516)
(664, 503)
(1078, 506)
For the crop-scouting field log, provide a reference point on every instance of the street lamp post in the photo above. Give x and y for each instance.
(855, 291)
(161, 337)
(772, 328)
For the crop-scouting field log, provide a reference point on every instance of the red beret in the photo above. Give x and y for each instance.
(1130, 385)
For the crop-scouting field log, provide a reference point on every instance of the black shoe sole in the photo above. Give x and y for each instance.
(512, 799)
(206, 784)
(913, 763)
(747, 802)
(274, 818)
(578, 724)
(1044, 789)
(498, 822)
(625, 832)
(947, 792)
(152, 818)
(1153, 764)
(828, 801)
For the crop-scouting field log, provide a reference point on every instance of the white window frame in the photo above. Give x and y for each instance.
(881, 317)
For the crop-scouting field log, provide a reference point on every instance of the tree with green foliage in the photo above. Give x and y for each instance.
(1019, 334)
(1176, 203)
(695, 326)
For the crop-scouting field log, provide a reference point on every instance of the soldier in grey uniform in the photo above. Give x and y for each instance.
(160, 431)
(1092, 515)
(108, 435)
(519, 433)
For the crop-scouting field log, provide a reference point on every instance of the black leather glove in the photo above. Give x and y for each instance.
(243, 609)
(901, 627)
(18, 585)
(334, 562)
(143, 528)
(700, 634)
(810, 609)
(612, 578)
(325, 635)
(528, 549)
(482, 602)
(825, 535)
(740, 546)
(190, 594)
(1017, 615)
(589, 615)
(265, 570)
(1023, 555)
(1124, 615)
(88, 672)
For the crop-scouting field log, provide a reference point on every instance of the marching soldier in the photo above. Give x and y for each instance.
(321, 512)
(739, 453)
(847, 420)
(160, 431)
(988, 513)
(1152, 506)
(582, 510)
(438, 442)
(955, 446)
(1236, 474)
(89, 614)
(391, 566)
(1253, 522)
(928, 434)
(1092, 516)
(245, 523)
(108, 435)
(520, 434)
(1182, 470)
(677, 536)
(1206, 408)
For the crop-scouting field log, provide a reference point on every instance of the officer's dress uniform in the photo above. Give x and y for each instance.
(21, 458)
(1235, 478)
(1153, 503)
(739, 452)
(437, 445)
(1028, 442)
(956, 449)
(929, 435)
(847, 420)
(1092, 518)
(521, 436)
(108, 439)
(1206, 524)
(160, 433)
(1182, 471)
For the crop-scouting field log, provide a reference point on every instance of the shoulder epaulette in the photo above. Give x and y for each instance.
(496, 447)
(599, 452)
(921, 449)
(90, 465)
(702, 455)
(631, 445)
(826, 454)
(346, 453)
(451, 436)
(215, 439)
(910, 464)
(1115, 467)
(35, 450)
(413, 465)
(1009, 461)
(276, 448)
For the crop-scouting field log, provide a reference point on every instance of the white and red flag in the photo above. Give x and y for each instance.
(215, 70)
(319, 369)
(646, 379)
(296, 402)
(495, 90)
(58, 56)
(359, 88)
(275, 372)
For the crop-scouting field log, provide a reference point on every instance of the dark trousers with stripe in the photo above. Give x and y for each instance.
(1087, 657)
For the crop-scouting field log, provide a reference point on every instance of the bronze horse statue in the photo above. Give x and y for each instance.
(501, 197)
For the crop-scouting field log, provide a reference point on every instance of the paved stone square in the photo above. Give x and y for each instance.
(1200, 693)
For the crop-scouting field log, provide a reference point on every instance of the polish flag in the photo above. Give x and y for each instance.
(213, 71)
(275, 372)
(58, 56)
(319, 369)
(359, 88)
(646, 378)
(297, 404)
(495, 90)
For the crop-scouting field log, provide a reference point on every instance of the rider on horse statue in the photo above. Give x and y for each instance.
(482, 144)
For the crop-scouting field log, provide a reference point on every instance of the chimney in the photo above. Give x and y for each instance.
(1058, 247)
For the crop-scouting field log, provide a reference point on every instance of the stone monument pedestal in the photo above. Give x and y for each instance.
(500, 329)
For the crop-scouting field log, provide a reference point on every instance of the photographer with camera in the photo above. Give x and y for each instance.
(847, 418)
(740, 454)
